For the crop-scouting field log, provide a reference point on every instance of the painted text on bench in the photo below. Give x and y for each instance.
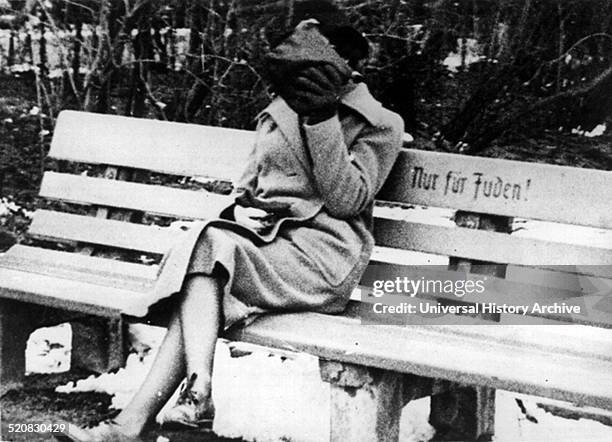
(478, 184)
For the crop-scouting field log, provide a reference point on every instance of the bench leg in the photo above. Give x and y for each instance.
(468, 413)
(463, 413)
(17, 321)
(98, 344)
(366, 403)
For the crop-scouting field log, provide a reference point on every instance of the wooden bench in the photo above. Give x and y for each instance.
(97, 245)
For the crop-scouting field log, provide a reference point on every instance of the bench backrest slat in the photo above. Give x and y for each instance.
(124, 235)
(485, 245)
(528, 190)
(160, 200)
(172, 148)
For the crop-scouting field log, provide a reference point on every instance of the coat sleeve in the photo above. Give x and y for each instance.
(349, 178)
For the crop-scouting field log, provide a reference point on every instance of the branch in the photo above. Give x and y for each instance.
(579, 42)
(80, 5)
(573, 93)
(391, 36)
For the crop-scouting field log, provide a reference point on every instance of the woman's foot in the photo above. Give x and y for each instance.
(107, 431)
(194, 408)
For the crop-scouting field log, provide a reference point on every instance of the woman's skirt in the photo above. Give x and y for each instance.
(275, 276)
(312, 265)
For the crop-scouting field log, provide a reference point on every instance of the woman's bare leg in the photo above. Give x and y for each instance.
(167, 372)
(199, 313)
(187, 348)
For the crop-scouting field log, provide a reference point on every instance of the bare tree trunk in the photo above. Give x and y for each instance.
(108, 55)
(28, 47)
(76, 57)
(463, 52)
(195, 61)
(171, 41)
(71, 79)
(141, 69)
(102, 102)
(159, 46)
(561, 46)
(100, 45)
(142, 44)
(519, 36)
(42, 51)
(11, 50)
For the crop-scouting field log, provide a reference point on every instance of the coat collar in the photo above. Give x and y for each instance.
(285, 118)
(361, 101)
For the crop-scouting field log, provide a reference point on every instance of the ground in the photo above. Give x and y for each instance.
(38, 402)
(260, 396)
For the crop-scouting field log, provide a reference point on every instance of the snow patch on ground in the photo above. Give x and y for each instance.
(48, 350)
(597, 131)
(512, 425)
(456, 60)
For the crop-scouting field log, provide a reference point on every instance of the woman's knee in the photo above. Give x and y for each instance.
(202, 284)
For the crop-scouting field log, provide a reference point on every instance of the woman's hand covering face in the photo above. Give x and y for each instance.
(314, 92)
(307, 71)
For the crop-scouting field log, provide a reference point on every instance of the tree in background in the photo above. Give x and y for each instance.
(517, 61)
(460, 72)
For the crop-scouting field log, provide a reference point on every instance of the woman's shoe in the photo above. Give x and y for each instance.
(107, 431)
(191, 412)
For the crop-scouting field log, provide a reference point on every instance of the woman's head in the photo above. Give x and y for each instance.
(333, 24)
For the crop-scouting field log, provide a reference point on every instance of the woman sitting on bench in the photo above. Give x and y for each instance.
(298, 238)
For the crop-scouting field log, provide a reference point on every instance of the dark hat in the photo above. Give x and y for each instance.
(333, 24)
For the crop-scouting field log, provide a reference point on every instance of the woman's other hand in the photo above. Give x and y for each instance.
(247, 199)
(250, 217)
(258, 214)
(314, 93)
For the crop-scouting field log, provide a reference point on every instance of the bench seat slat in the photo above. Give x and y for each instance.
(160, 146)
(79, 267)
(554, 193)
(69, 227)
(486, 246)
(577, 339)
(101, 300)
(149, 198)
(440, 352)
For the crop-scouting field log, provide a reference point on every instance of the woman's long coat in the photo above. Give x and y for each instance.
(329, 173)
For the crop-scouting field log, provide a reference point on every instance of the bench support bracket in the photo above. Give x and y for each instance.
(98, 344)
(366, 403)
(464, 413)
(17, 321)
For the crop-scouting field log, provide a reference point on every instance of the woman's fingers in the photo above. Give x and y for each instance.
(320, 79)
(306, 84)
(333, 75)
(248, 216)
